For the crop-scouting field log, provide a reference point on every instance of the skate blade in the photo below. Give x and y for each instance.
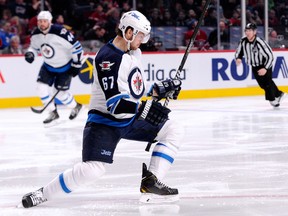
(52, 124)
(154, 198)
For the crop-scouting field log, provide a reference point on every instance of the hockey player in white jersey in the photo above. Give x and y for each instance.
(116, 112)
(62, 55)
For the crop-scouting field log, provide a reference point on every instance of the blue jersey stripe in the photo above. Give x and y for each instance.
(102, 120)
(59, 70)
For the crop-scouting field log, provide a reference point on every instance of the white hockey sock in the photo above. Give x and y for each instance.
(43, 91)
(81, 174)
(67, 99)
(170, 139)
(161, 160)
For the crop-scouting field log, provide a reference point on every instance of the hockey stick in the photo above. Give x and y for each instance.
(49, 102)
(188, 48)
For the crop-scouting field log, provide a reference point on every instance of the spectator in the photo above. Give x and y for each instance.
(5, 35)
(14, 46)
(125, 7)
(155, 17)
(275, 41)
(98, 16)
(35, 8)
(112, 22)
(200, 38)
(211, 18)
(224, 37)
(181, 19)
(167, 19)
(20, 9)
(191, 16)
(273, 20)
(235, 20)
(59, 20)
(96, 33)
(3, 6)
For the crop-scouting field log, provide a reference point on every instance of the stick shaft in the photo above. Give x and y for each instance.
(41, 110)
(190, 45)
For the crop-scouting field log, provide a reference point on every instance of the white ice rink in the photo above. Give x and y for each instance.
(233, 162)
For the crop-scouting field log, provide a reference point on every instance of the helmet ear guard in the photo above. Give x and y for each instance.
(138, 22)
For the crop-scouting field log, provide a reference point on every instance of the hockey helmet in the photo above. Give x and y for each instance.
(138, 22)
(251, 26)
(45, 15)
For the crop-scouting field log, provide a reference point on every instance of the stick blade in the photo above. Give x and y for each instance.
(36, 110)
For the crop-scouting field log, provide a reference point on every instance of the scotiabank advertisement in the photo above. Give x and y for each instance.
(205, 71)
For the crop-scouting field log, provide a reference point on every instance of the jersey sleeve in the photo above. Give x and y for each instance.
(112, 77)
(239, 50)
(76, 47)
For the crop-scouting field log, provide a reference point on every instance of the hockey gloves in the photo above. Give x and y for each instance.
(29, 57)
(75, 69)
(169, 88)
(153, 112)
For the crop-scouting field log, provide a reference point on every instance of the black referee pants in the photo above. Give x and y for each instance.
(267, 84)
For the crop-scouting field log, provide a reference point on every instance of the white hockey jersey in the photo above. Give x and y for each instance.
(118, 86)
(58, 47)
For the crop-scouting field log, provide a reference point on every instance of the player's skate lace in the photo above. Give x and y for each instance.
(33, 199)
(75, 111)
(52, 116)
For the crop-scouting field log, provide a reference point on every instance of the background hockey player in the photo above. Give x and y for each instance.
(116, 113)
(62, 55)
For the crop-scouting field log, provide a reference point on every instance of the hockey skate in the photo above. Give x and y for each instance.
(274, 103)
(75, 111)
(52, 117)
(154, 191)
(277, 101)
(280, 98)
(33, 199)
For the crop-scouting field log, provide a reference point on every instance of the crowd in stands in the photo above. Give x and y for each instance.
(95, 21)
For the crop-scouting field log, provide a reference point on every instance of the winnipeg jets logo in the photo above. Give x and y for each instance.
(47, 51)
(136, 83)
(106, 65)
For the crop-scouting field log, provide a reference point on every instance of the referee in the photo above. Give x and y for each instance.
(259, 55)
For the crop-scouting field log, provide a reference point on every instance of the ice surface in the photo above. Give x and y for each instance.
(233, 162)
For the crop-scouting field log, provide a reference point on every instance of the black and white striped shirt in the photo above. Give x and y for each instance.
(256, 53)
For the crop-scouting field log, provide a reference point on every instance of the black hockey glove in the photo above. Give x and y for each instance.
(153, 112)
(75, 69)
(169, 88)
(29, 57)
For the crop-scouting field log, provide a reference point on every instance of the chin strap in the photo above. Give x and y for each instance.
(128, 41)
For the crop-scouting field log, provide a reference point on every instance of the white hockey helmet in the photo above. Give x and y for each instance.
(138, 22)
(45, 15)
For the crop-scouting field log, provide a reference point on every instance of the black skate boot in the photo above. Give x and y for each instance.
(154, 191)
(33, 199)
(75, 111)
(52, 117)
